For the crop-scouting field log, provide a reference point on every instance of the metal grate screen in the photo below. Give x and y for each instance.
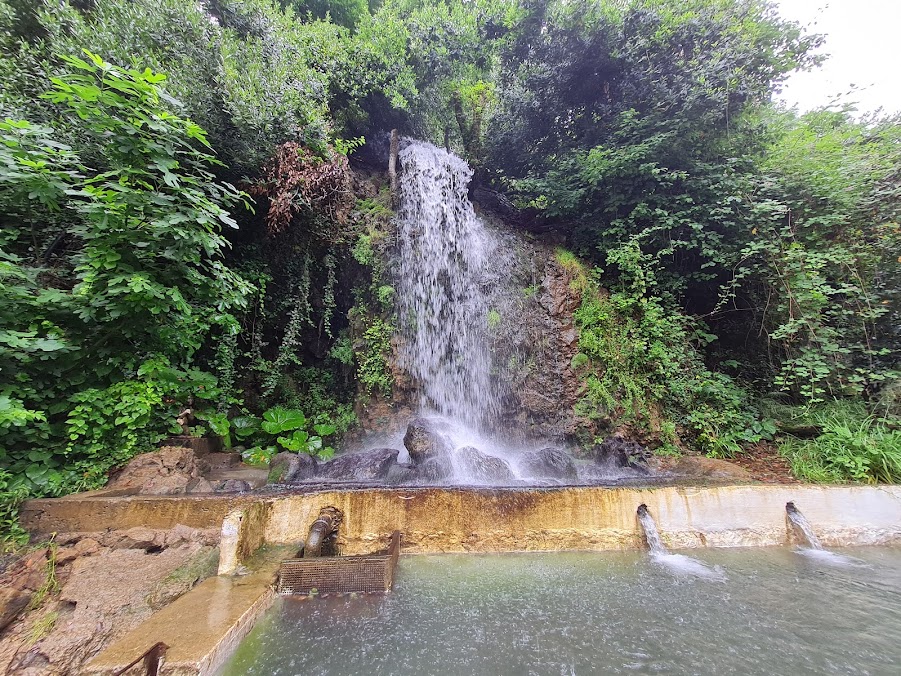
(341, 574)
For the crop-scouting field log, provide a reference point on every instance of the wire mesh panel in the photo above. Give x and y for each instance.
(340, 574)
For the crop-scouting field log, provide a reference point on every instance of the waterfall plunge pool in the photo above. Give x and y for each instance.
(768, 611)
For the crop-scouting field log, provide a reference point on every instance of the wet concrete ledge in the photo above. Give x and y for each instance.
(508, 519)
(200, 629)
(99, 511)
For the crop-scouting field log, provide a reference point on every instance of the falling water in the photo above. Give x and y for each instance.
(655, 545)
(811, 547)
(678, 564)
(449, 262)
(801, 526)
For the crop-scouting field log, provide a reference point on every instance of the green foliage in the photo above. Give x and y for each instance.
(823, 254)
(50, 585)
(278, 419)
(493, 319)
(862, 449)
(371, 207)
(368, 345)
(218, 424)
(42, 628)
(12, 494)
(245, 426)
(86, 344)
(645, 370)
(363, 252)
(343, 351)
(579, 361)
(373, 366)
(251, 73)
(106, 427)
(575, 268)
(305, 435)
(385, 295)
(733, 237)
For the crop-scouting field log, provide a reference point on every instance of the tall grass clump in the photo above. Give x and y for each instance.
(849, 449)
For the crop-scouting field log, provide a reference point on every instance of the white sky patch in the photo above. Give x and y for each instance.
(863, 41)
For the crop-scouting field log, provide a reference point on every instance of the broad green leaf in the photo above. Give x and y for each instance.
(277, 420)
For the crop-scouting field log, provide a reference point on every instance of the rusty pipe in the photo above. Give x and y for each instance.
(325, 524)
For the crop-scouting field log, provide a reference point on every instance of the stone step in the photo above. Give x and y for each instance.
(221, 461)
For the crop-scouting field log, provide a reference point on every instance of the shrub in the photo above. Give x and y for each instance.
(92, 340)
(645, 369)
(863, 449)
(282, 429)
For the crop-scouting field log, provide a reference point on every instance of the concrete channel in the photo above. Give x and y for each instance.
(201, 628)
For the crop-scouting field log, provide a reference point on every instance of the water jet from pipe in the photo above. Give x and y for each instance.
(679, 564)
(801, 526)
(810, 543)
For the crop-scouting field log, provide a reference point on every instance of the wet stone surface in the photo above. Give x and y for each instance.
(426, 438)
(373, 465)
(616, 452)
(482, 467)
(549, 463)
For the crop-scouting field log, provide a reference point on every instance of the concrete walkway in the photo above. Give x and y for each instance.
(201, 628)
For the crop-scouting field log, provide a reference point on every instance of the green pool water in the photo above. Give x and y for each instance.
(749, 611)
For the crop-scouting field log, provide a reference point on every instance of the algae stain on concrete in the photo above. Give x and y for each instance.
(519, 519)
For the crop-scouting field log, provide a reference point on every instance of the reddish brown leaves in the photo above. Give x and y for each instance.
(296, 180)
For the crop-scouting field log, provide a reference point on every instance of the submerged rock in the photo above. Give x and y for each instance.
(549, 463)
(287, 468)
(434, 470)
(616, 452)
(373, 465)
(483, 467)
(426, 438)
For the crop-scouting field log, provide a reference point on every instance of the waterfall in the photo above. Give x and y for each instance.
(801, 526)
(449, 262)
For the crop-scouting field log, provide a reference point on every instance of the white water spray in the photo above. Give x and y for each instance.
(811, 546)
(449, 263)
(678, 564)
(801, 526)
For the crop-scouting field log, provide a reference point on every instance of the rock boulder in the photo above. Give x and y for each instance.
(373, 465)
(617, 452)
(426, 438)
(434, 470)
(483, 467)
(701, 467)
(167, 471)
(549, 463)
(288, 468)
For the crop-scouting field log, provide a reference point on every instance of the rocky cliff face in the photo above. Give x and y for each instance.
(534, 341)
(529, 320)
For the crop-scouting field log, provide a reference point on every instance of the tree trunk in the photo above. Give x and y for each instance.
(392, 168)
